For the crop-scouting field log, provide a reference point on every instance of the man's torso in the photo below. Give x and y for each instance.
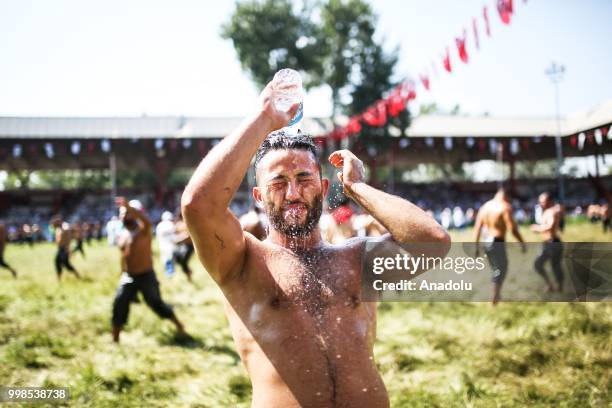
(551, 215)
(139, 258)
(63, 238)
(493, 218)
(301, 329)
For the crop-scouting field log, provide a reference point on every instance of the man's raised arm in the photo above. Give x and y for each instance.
(216, 233)
(406, 222)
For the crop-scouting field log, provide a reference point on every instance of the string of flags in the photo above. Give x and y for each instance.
(397, 99)
(51, 149)
(511, 145)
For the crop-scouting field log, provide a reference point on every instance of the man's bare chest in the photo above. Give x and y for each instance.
(314, 284)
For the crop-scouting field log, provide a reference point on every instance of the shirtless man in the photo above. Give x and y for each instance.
(63, 237)
(497, 216)
(3, 239)
(293, 301)
(552, 250)
(137, 266)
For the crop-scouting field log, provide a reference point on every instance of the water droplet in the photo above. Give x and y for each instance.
(365, 390)
(338, 356)
(338, 319)
(318, 393)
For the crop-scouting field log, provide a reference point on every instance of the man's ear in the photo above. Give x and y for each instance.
(257, 194)
(325, 186)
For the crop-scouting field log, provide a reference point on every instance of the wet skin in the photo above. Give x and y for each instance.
(293, 301)
(300, 328)
(295, 312)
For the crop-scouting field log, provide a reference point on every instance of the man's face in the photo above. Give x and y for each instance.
(544, 201)
(291, 190)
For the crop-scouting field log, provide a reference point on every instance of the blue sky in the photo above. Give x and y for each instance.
(80, 58)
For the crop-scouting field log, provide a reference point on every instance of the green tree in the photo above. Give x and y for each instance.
(331, 43)
(272, 34)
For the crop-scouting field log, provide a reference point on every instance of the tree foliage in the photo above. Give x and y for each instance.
(331, 42)
(272, 34)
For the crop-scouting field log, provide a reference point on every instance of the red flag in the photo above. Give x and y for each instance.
(482, 145)
(504, 7)
(525, 144)
(425, 81)
(573, 141)
(381, 108)
(354, 126)
(475, 30)
(396, 102)
(338, 134)
(446, 61)
(461, 47)
(407, 90)
(321, 142)
(485, 16)
(376, 115)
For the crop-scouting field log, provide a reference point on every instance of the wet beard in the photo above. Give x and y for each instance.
(278, 222)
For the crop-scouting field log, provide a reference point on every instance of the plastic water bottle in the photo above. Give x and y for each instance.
(287, 88)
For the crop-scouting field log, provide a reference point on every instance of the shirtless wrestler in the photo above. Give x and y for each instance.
(63, 238)
(293, 301)
(496, 215)
(552, 248)
(137, 266)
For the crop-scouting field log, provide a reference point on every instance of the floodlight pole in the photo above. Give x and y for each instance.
(555, 73)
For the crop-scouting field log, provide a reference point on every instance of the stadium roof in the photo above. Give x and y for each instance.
(144, 127)
(488, 126)
(155, 143)
(152, 127)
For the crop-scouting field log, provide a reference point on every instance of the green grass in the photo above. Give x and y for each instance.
(430, 354)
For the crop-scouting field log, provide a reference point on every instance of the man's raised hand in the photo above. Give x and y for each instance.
(352, 168)
(278, 119)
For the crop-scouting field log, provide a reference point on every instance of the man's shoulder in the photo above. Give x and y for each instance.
(507, 206)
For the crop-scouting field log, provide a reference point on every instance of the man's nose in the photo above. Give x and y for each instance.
(293, 192)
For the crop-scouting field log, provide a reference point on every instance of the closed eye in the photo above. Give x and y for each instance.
(304, 176)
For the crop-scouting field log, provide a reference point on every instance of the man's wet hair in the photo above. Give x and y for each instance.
(281, 140)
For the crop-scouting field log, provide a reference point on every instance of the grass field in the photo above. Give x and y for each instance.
(430, 354)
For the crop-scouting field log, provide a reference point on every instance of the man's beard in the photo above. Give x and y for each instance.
(279, 223)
